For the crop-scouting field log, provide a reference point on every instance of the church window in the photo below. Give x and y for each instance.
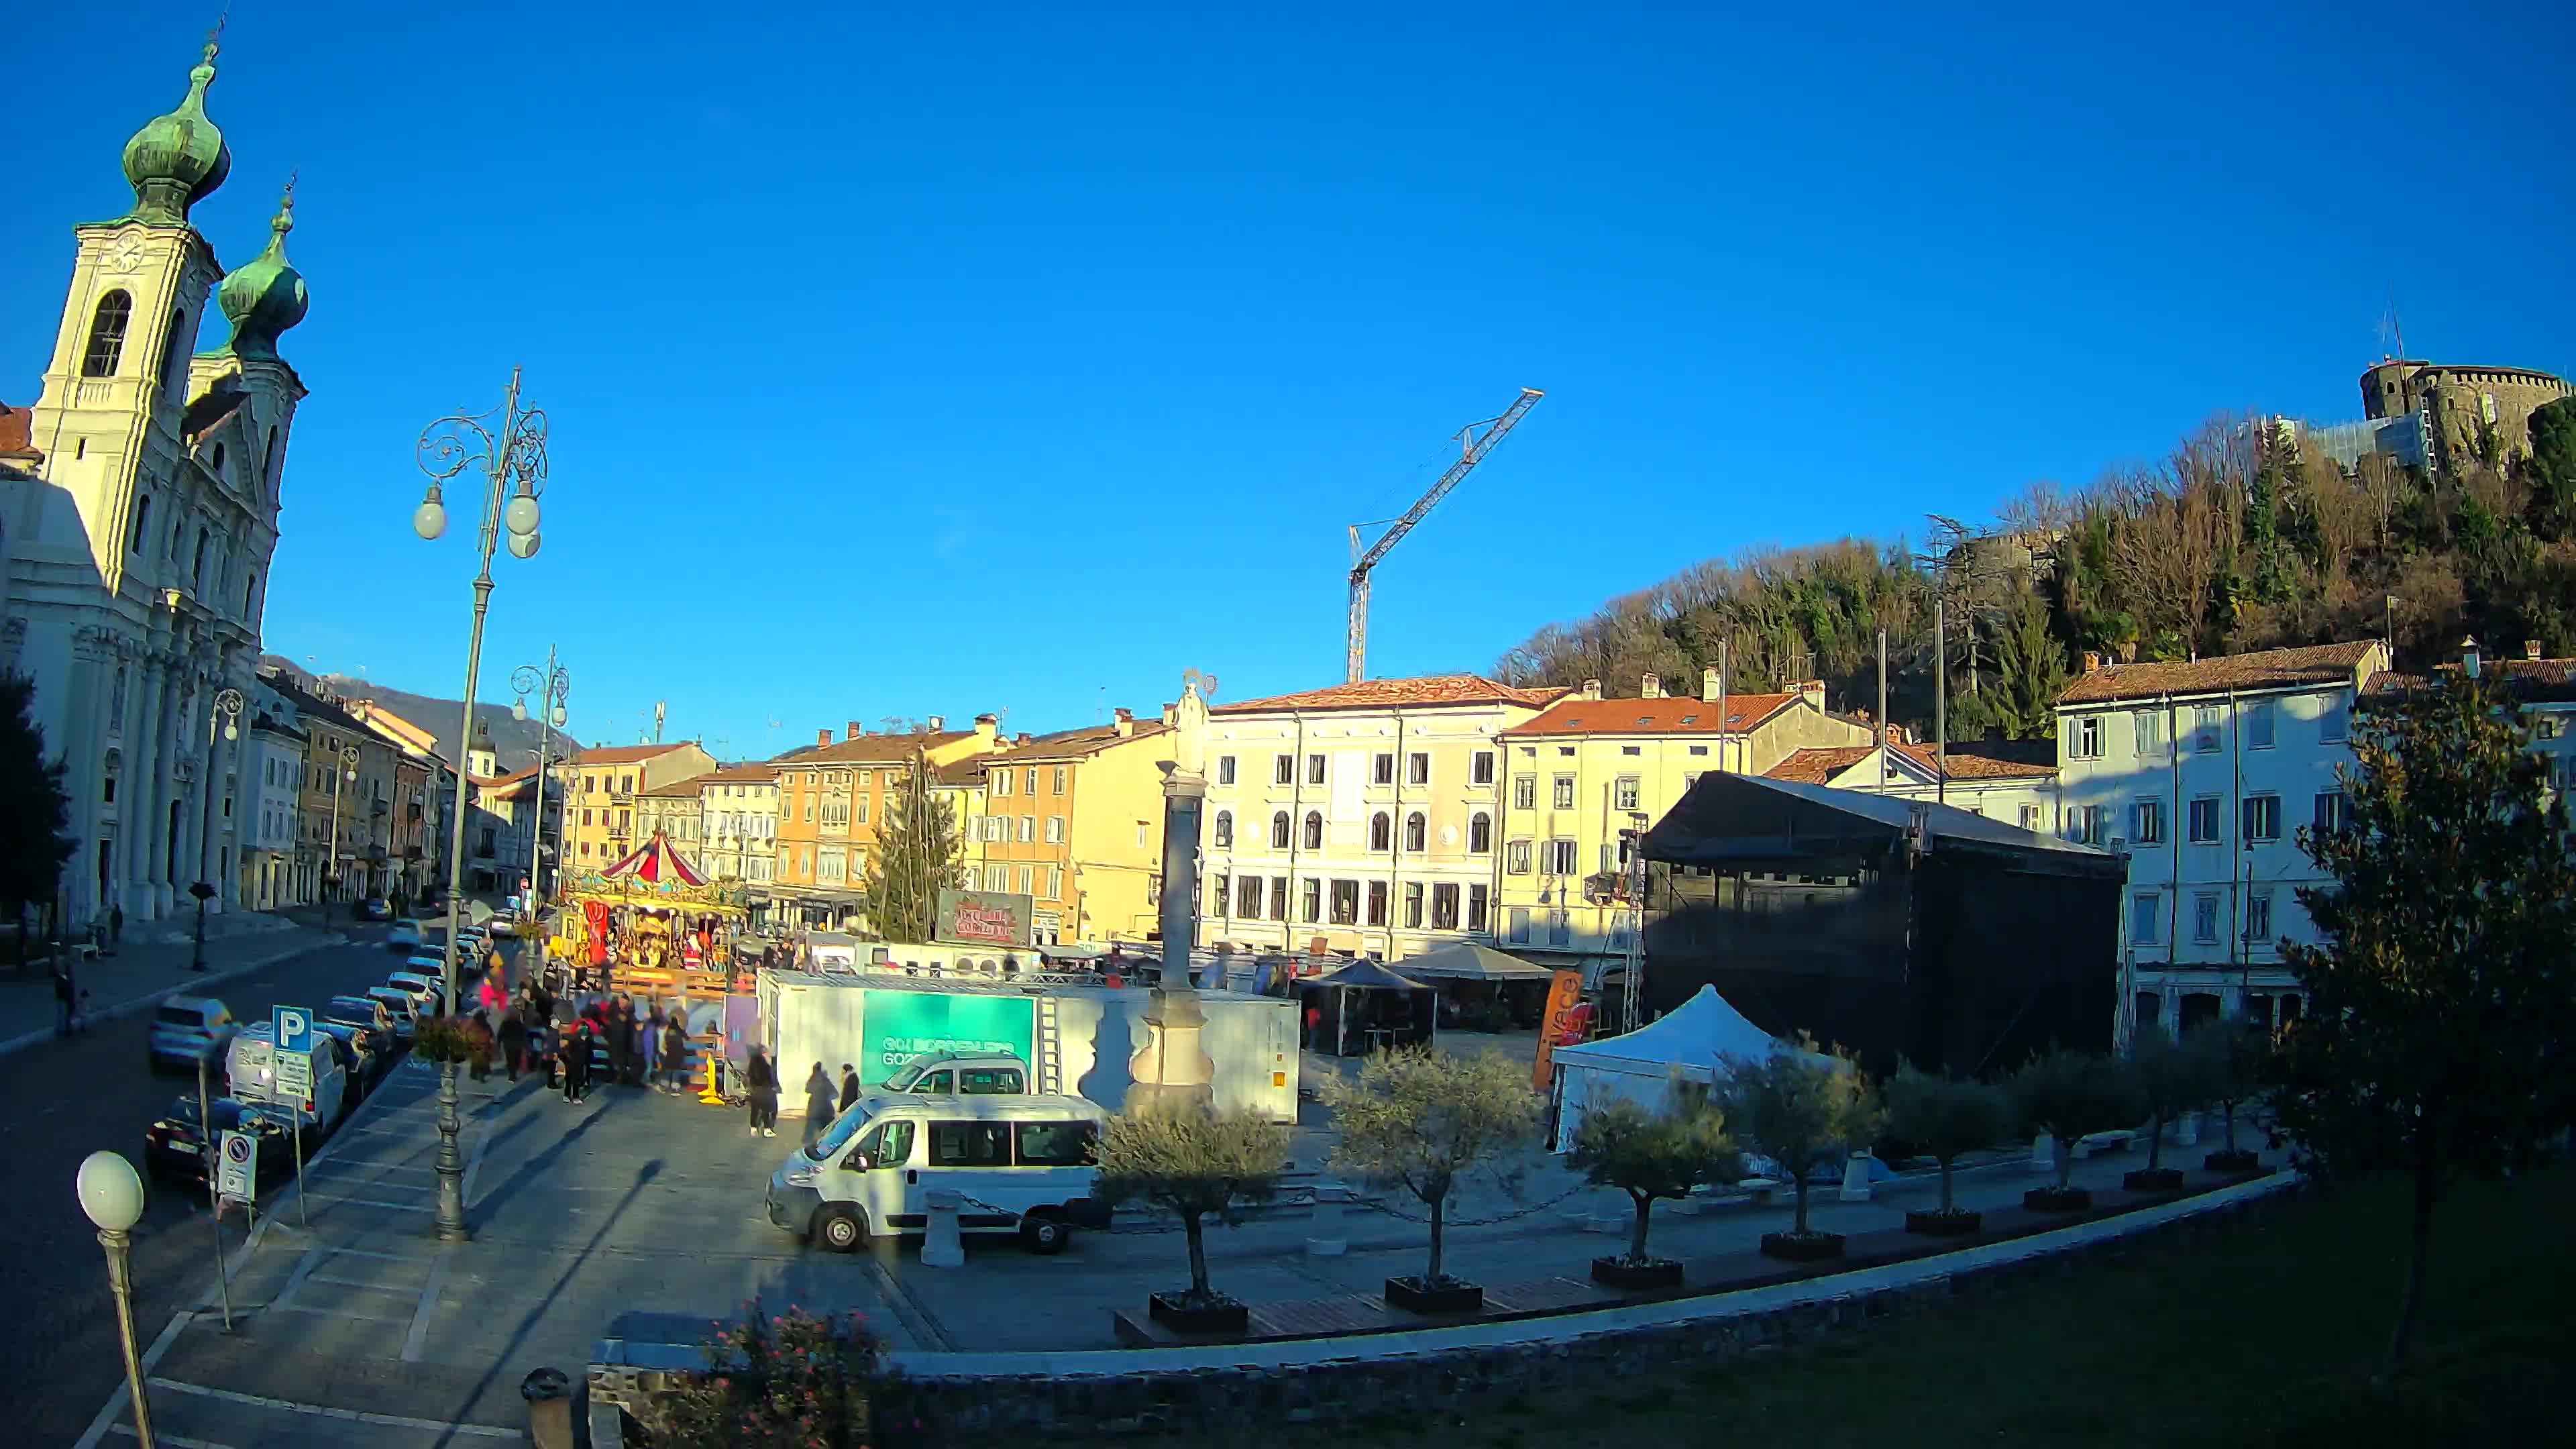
(142, 518)
(198, 572)
(219, 457)
(250, 594)
(107, 335)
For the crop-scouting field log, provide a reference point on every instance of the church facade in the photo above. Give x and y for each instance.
(138, 517)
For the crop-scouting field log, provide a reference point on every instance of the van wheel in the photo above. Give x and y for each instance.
(1045, 1234)
(839, 1229)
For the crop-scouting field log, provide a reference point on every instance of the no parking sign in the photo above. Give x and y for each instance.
(237, 1166)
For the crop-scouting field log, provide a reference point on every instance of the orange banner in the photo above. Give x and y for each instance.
(1562, 1026)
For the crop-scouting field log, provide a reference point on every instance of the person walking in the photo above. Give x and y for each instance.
(513, 1033)
(115, 927)
(675, 1056)
(479, 1037)
(651, 1040)
(642, 1043)
(576, 1061)
(66, 997)
(849, 1086)
(621, 1039)
(760, 1082)
(819, 1097)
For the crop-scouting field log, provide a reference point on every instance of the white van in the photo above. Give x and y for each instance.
(961, 1074)
(1023, 1164)
(251, 1068)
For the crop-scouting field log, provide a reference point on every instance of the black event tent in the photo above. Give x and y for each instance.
(1364, 1007)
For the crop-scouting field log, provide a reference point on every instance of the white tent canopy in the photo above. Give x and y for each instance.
(1683, 1045)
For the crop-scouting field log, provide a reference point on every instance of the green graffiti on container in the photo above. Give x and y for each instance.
(897, 1026)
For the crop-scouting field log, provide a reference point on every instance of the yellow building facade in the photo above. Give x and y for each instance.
(599, 813)
(832, 801)
(1074, 821)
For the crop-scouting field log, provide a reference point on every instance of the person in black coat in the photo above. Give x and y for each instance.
(760, 1080)
(819, 1096)
(849, 1086)
(513, 1033)
(575, 1041)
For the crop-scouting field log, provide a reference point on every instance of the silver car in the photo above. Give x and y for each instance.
(191, 1029)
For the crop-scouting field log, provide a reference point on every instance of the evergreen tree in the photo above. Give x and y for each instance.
(2551, 468)
(2030, 673)
(917, 856)
(2263, 495)
(33, 807)
(2440, 1004)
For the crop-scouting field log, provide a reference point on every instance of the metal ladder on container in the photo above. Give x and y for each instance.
(1050, 1062)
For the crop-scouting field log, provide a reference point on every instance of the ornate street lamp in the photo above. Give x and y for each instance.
(111, 1193)
(553, 688)
(331, 859)
(511, 452)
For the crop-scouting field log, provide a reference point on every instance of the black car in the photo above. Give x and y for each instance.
(357, 1058)
(369, 1018)
(174, 1147)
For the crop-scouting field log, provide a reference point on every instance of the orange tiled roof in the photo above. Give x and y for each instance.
(2264, 669)
(1674, 715)
(17, 432)
(1818, 766)
(1429, 689)
(621, 754)
(2546, 681)
(1079, 744)
(759, 772)
(877, 749)
(679, 789)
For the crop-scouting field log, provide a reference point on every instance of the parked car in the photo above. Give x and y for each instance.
(191, 1029)
(174, 1148)
(505, 928)
(425, 991)
(404, 935)
(359, 1060)
(251, 1071)
(401, 1006)
(369, 1018)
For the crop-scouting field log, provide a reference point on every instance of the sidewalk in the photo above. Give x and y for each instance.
(138, 976)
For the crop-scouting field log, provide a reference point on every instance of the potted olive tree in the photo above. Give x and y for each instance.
(1195, 1164)
(1423, 1120)
(1803, 1112)
(1650, 1155)
(2070, 1095)
(2173, 1077)
(1944, 1117)
(2235, 1054)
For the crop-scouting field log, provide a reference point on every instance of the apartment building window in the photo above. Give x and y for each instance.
(1559, 858)
(1563, 796)
(1225, 769)
(1279, 898)
(2262, 817)
(1314, 830)
(2205, 729)
(2149, 725)
(996, 828)
(585, 819)
(865, 779)
(1381, 831)
(2204, 820)
(2258, 916)
(2204, 918)
(1279, 830)
(1519, 925)
(2030, 818)
(1055, 883)
(1413, 905)
(1479, 900)
(1516, 858)
(1028, 829)
(1417, 769)
(1623, 793)
(2087, 744)
(2334, 811)
(1416, 833)
(1480, 833)
(1033, 779)
(2147, 822)
(2084, 825)
(1377, 903)
(1382, 769)
(1025, 873)
(1314, 769)
(831, 868)
(1560, 928)
(2146, 924)
(1312, 902)
(1056, 785)
(1055, 830)
(1283, 770)
(1565, 752)
(1444, 907)
(1480, 767)
(836, 814)
(2258, 715)
(2333, 725)
(1346, 903)
(1224, 830)
(1525, 792)
(1224, 891)
(1247, 898)
(1002, 782)
(1141, 833)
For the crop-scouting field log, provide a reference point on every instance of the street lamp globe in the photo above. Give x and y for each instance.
(523, 545)
(110, 1191)
(520, 514)
(429, 520)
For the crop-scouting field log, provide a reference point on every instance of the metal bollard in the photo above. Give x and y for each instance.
(941, 1247)
(549, 1395)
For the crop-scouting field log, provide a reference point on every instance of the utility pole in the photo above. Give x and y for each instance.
(1882, 711)
(1940, 701)
(1721, 706)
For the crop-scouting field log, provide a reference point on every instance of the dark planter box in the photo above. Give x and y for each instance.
(2152, 1179)
(2057, 1199)
(1937, 1224)
(2239, 1160)
(1813, 1247)
(1415, 1296)
(1620, 1273)
(1168, 1310)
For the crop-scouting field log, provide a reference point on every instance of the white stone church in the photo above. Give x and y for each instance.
(138, 513)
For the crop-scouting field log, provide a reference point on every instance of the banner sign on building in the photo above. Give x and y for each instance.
(985, 918)
(896, 1026)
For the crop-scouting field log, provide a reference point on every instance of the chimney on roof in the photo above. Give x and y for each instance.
(1652, 687)
(986, 726)
(2531, 650)
(1813, 690)
(1708, 684)
(1124, 721)
(822, 738)
(2092, 660)
(1021, 739)
(938, 722)
(1591, 690)
(854, 730)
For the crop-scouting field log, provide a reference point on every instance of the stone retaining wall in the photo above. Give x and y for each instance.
(1431, 1370)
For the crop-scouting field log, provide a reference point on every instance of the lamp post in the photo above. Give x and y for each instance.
(512, 455)
(112, 1194)
(553, 689)
(331, 862)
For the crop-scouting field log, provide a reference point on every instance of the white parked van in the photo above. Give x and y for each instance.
(1022, 1164)
(952, 1074)
(252, 1071)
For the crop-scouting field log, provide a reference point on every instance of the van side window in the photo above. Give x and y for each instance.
(970, 1144)
(1054, 1144)
(938, 1084)
(990, 1082)
(888, 1144)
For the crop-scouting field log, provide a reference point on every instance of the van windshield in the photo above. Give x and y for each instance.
(905, 1076)
(838, 1135)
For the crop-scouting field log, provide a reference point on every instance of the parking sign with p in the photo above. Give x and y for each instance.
(294, 1028)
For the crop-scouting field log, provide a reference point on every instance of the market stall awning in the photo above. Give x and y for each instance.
(656, 876)
(656, 862)
(1467, 961)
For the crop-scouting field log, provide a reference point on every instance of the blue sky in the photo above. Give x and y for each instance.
(941, 359)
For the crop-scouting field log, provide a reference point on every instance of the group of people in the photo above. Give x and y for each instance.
(645, 1047)
(825, 1099)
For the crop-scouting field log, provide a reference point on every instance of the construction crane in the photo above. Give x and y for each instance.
(1474, 441)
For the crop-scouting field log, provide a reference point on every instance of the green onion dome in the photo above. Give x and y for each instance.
(265, 295)
(179, 159)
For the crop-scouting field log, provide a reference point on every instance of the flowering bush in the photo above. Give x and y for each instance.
(450, 1039)
(778, 1380)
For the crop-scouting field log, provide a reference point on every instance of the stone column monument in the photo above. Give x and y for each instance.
(1172, 1069)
